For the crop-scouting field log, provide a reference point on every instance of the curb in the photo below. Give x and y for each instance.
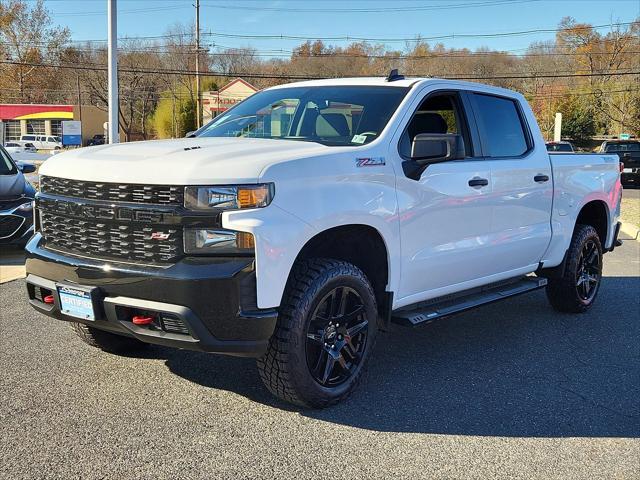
(631, 230)
(8, 273)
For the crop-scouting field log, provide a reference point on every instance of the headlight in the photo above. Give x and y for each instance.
(217, 241)
(228, 197)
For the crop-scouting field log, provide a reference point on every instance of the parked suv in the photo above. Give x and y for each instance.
(97, 139)
(16, 201)
(307, 218)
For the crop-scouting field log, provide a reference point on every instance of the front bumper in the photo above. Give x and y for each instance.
(212, 300)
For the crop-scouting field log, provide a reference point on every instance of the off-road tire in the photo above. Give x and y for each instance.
(284, 369)
(562, 292)
(106, 341)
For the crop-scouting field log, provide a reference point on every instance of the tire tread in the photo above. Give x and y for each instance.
(561, 292)
(275, 367)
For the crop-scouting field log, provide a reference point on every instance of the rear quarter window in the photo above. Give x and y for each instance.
(501, 126)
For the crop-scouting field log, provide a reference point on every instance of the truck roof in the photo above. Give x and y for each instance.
(406, 82)
(355, 81)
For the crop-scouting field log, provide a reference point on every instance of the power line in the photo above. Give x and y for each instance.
(375, 9)
(100, 67)
(243, 52)
(363, 39)
(410, 39)
(133, 10)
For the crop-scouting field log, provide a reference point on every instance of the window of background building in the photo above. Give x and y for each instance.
(56, 128)
(35, 127)
(12, 130)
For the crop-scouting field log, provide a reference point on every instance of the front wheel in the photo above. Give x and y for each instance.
(324, 335)
(577, 289)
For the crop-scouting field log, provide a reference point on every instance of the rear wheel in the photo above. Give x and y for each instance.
(324, 336)
(577, 289)
(109, 342)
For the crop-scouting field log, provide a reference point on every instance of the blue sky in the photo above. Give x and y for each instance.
(365, 18)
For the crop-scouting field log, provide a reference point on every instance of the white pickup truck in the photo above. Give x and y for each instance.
(300, 223)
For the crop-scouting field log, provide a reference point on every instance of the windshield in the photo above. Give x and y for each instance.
(332, 115)
(623, 147)
(7, 166)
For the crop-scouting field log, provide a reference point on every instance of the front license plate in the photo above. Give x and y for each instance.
(76, 302)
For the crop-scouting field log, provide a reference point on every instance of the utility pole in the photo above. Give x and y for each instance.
(198, 98)
(112, 54)
(79, 109)
(79, 99)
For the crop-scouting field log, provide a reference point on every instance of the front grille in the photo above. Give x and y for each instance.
(9, 224)
(112, 240)
(115, 192)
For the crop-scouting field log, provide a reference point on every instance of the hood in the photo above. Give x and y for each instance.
(12, 186)
(185, 161)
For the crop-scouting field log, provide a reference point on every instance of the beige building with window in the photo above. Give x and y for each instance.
(42, 119)
(213, 103)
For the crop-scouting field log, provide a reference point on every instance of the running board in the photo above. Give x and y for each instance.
(425, 312)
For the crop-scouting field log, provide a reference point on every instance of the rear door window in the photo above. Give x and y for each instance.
(501, 126)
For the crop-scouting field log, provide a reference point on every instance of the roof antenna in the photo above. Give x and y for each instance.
(394, 75)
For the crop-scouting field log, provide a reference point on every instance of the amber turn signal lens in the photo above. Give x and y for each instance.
(253, 197)
(244, 240)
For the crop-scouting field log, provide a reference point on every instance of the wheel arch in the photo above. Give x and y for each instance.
(361, 245)
(596, 214)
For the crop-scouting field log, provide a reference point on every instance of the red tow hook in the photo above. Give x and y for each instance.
(142, 320)
(48, 300)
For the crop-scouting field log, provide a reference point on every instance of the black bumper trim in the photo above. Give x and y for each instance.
(210, 296)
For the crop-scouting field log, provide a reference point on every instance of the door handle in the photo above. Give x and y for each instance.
(540, 178)
(478, 182)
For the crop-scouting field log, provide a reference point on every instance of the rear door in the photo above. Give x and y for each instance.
(521, 181)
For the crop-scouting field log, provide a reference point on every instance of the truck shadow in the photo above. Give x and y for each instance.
(511, 369)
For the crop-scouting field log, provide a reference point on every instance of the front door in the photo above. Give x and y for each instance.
(445, 210)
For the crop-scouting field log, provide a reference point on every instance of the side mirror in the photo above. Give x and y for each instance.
(190, 134)
(27, 167)
(437, 147)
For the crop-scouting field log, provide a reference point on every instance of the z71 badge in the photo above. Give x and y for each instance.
(370, 162)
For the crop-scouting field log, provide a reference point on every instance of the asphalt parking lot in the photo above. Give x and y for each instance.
(511, 390)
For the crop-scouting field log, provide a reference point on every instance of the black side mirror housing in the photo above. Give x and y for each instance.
(437, 147)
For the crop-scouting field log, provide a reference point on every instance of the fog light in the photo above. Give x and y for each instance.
(217, 241)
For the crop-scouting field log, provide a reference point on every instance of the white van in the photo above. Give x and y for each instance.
(42, 142)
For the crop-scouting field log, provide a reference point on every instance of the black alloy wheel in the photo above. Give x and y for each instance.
(336, 336)
(576, 288)
(589, 271)
(326, 330)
